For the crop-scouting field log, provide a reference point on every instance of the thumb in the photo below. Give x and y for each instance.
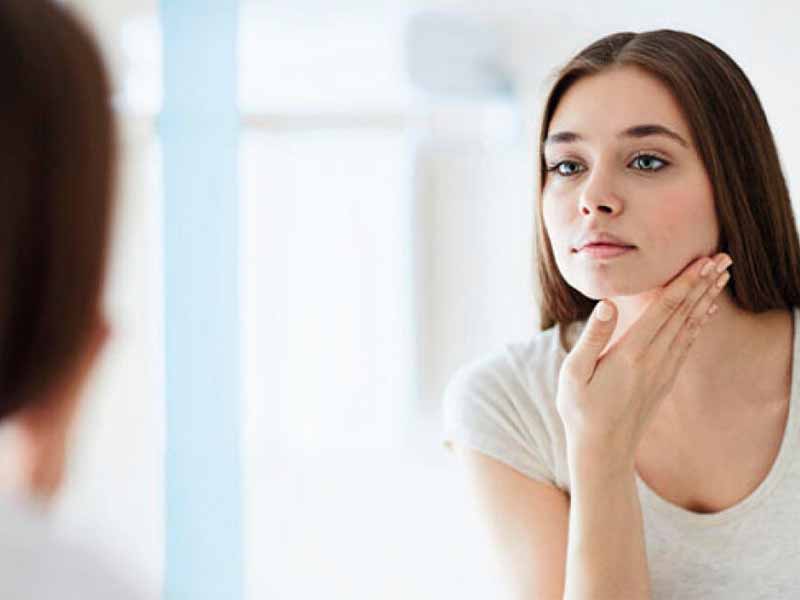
(593, 339)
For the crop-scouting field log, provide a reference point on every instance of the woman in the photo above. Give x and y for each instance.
(649, 453)
(57, 172)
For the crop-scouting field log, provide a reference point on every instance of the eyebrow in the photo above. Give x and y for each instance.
(637, 131)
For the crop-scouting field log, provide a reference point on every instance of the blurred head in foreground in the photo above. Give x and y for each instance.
(57, 156)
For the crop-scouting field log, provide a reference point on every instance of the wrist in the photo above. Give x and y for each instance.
(599, 459)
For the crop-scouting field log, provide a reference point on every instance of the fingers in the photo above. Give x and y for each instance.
(659, 311)
(582, 359)
(681, 329)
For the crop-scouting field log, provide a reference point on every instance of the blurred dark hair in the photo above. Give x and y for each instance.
(733, 139)
(57, 156)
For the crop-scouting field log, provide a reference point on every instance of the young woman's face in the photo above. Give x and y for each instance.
(650, 190)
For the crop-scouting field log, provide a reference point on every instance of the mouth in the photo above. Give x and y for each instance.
(604, 250)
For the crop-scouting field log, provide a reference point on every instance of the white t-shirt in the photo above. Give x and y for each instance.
(503, 405)
(36, 563)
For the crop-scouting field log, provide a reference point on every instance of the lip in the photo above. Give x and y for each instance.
(600, 237)
(599, 251)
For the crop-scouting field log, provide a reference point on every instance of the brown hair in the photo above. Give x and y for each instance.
(58, 145)
(734, 140)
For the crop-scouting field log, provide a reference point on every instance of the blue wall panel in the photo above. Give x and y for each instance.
(199, 133)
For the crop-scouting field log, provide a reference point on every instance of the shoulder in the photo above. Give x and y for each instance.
(519, 368)
(503, 403)
(40, 564)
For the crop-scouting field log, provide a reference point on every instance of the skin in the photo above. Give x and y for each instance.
(43, 431)
(667, 211)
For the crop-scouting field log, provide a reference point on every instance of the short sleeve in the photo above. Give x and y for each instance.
(487, 407)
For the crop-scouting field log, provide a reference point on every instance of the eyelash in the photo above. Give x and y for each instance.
(554, 168)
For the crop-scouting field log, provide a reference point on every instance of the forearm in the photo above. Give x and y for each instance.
(606, 555)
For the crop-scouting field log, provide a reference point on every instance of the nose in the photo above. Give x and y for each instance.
(598, 194)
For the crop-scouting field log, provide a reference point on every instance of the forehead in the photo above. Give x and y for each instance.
(600, 106)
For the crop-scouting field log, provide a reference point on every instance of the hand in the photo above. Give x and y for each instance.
(606, 402)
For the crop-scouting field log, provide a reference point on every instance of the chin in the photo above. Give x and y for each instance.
(598, 292)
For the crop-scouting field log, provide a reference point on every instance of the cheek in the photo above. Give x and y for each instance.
(669, 222)
(683, 219)
(555, 216)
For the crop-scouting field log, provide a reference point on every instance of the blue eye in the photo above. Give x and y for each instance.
(643, 159)
(650, 158)
(556, 166)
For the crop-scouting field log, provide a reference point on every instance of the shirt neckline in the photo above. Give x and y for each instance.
(779, 465)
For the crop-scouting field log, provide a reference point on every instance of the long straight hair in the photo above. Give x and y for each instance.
(733, 138)
(57, 156)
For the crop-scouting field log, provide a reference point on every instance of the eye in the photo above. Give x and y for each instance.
(645, 159)
(646, 162)
(556, 168)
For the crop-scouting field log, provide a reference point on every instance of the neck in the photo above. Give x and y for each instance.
(717, 375)
(31, 465)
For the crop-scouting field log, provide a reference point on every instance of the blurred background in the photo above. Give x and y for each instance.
(274, 433)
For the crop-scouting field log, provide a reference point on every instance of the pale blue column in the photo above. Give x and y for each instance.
(199, 132)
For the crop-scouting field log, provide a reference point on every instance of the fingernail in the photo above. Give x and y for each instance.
(726, 262)
(604, 312)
